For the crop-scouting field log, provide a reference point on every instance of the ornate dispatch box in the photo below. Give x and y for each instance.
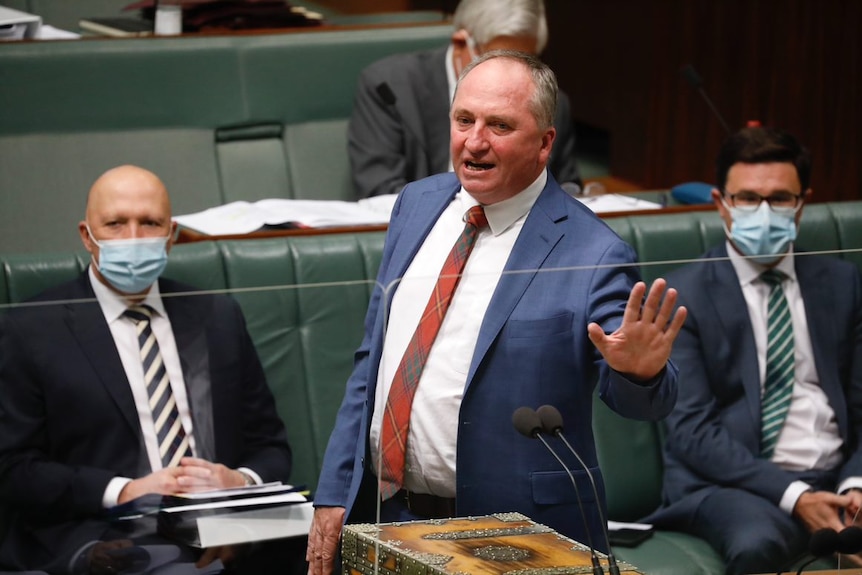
(499, 544)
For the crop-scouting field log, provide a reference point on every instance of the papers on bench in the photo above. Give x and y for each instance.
(224, 517)
(606, 203)
(247, 217)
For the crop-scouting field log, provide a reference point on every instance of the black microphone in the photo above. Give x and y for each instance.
(850, 540)
(528, 424)
(823, 542)
(552, 423)
(696, 82)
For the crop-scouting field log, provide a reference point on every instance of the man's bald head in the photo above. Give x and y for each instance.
(126, 202)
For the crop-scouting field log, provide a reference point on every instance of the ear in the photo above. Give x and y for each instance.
(721, 207)
(548, 142)
(172, 238)
(459, 38)
(85, 237)
(806, 197)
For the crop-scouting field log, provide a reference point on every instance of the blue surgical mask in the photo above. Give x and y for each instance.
(763, 233)
(131, 265)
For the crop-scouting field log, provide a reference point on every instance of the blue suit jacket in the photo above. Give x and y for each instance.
(68, 422)
(532, 349)
(714, 430)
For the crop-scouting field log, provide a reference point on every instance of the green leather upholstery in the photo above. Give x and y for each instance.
(305, 297)
(218, 118)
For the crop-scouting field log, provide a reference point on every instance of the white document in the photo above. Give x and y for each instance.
(255, 525)
(246, 217)
(617, 525)
(606, 203)
(244, 490)
(263, 499)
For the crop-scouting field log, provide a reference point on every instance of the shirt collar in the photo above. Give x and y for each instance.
(747, 270)
(503, 214)
(113, 304)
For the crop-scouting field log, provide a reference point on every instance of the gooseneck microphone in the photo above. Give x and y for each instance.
(692, 77)
(528, 424)
(552, 424)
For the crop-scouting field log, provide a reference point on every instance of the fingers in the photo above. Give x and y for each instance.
(660, 308)
(632, 312)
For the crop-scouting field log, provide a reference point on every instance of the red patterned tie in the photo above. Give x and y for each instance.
(396, 419)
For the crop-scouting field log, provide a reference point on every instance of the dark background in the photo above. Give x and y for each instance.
(791, 64)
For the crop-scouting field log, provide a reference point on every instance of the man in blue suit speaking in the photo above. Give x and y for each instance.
(548, 305)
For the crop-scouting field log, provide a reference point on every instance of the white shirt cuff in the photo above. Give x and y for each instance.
(252, 474)
(850, 483)
(791, 495)
(112, 491)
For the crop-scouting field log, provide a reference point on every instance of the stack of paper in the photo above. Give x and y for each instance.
(246, 217)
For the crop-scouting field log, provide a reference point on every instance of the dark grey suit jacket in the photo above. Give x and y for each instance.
(68, 422)
(391, 145)
(714, 430)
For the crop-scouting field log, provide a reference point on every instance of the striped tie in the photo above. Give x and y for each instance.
(778, 388)
(396, 419)
(173, 441)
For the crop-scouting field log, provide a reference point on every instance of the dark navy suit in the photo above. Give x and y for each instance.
(68, 422)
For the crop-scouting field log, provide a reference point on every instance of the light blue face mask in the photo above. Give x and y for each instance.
(132, 265)
(762, 233)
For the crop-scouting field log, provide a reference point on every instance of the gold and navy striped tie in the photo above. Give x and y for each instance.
(172, 438)
(778, 389)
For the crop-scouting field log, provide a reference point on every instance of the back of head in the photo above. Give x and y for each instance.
(761, 145)
(485, 20)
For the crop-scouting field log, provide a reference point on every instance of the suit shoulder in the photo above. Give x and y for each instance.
(398, 67)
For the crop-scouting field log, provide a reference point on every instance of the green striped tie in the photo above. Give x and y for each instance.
(778, 388)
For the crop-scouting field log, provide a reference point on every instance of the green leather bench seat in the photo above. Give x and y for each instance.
(305, 297)
(218, 118)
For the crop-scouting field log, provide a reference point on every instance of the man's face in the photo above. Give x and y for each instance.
(497, 146)
(126, 203)
(747, 181)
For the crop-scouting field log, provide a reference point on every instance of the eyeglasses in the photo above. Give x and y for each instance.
(782, 202)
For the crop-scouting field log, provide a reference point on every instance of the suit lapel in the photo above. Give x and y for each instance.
(819, 308)
(732, 312)
(188, 323)
(535, 242)
(87, 323)
(435, 110)
(422, 217)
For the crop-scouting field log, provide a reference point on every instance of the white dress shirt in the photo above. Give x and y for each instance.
(432, 440)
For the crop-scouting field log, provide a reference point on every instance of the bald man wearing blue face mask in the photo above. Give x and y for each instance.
(119, 391)
(763, 446)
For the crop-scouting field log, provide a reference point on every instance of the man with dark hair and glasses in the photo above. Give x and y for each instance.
(763, 444)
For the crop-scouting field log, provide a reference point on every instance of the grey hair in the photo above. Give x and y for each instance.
(485, 20)
(543, 101)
